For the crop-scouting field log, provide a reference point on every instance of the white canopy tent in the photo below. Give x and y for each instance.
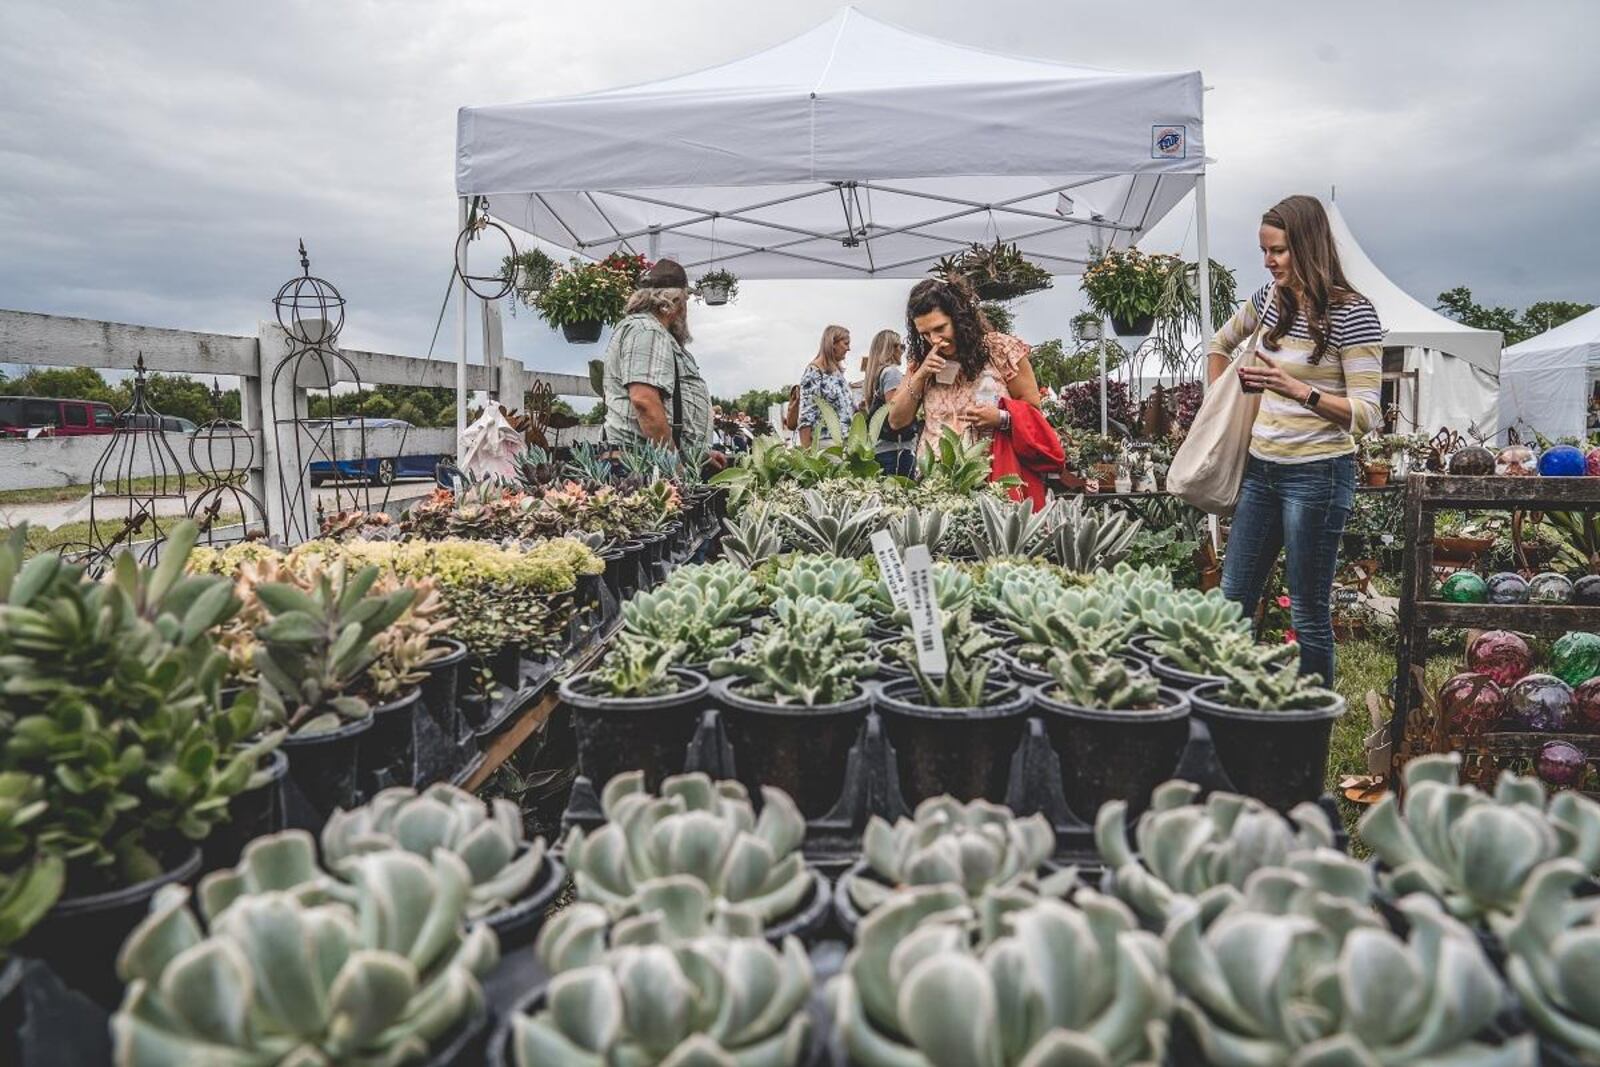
(1546, 381)
(1444, 373)
(856, 150)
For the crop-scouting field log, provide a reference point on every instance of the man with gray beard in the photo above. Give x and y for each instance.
(653, 387)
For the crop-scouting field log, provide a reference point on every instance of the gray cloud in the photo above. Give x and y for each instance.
(159, 161)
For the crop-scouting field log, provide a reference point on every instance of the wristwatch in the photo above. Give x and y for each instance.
(1005, 421)
(1311, 401)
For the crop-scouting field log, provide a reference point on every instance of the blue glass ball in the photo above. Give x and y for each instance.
(1508, 588)
(1586, 591)
(1563, 461)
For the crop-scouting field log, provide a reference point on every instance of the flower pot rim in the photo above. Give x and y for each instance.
(573, 691)
(1201, 704)
(1014, 700)
(67, 907)
(1175, 705)
(400, 703)
(541, 894)
(351, 728)
(723, 690)
(457, 653)
(1159, 663)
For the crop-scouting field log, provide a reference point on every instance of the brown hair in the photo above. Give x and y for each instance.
(825, 349)
(956, 298)
(885, 352)
(1314, 271)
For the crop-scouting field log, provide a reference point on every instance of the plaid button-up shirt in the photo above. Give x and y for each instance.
(643, 351)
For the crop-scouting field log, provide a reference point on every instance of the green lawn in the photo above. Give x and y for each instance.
(60, 494)
(77, 533)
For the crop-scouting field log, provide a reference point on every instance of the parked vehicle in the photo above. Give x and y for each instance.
(56, 417)
(380, 469)
(169, 423)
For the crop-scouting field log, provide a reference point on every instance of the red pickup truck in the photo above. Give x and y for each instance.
(24, 416)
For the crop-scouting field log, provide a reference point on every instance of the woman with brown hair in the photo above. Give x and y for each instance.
(896, 449)
(824, 381)
(1319, 366)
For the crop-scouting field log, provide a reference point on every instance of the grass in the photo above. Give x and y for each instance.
(61, 494)
(76, 534)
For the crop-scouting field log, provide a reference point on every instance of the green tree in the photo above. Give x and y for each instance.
(181, 396)
(1548, 314)
(595, 416)
(66, 383)
(1055, 367)
(1540, 316)
(377, 406)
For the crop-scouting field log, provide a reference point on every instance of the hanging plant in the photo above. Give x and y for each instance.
(529, 273)
(998, 271)
(1127, 285)
(717, 287)
(583, 297)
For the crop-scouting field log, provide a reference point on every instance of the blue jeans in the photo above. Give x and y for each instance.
(1302, 506)
(900, 461)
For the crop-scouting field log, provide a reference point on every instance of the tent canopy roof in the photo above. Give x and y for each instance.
(1575, 343)
(1407, 322)
(855, 150)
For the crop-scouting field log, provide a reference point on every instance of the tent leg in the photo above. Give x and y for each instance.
(1104, 333)
(461, 351)
(1203, 240)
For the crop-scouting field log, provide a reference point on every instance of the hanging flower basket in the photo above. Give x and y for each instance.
(1137, 326)
(581, 298)
(997, 272)
(717, 287)
(582, 332)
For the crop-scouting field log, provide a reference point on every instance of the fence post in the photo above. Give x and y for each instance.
(253, 418)
(286, 481)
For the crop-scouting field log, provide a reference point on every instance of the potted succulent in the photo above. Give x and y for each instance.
(1187, 633)
(582, 298)
(717, 287)
(1270, 725)
(794, 699)
(1127, 285)
(1119, 730)
(1050, 620)
(1377, 458)
(1546, 939)
(702, 606)
(635, 711)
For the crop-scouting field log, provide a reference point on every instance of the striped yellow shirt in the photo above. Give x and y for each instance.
(1351, 367)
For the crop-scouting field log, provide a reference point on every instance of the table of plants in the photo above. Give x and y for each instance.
(869, 771)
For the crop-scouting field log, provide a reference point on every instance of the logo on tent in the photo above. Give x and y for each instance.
(1168, 142)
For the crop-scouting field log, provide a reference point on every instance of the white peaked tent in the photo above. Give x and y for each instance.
(855, 150)
(1448, 372)
(1546, 381)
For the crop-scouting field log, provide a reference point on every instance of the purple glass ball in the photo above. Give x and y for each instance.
(1471, 703)
(1561, 765)
(1586, 701)
(1541, 703)
(1474, 459)
(1591, 463)
(1586, 591)
(1575, 658)
(1563, 461)
(1508, 588)
(1501, 655)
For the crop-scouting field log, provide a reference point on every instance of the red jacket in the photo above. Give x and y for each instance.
(1031, 450)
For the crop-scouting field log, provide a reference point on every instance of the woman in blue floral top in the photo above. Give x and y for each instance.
(824, 380)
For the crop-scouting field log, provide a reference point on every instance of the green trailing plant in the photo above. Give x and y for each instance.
(696, 831)
(752, 536)
(839, 528)
(980, 847)
(713, 1001)
(1048, 984)
(1553, 950)
(1200, 850)
(996, 272)
(967, 648)
(272, 979)
(1088, 678)
(1012, 528)
(1277, 685)
(841, 580)
(725, 280)
(1475, 852)
(637, 667)
(528, 273)
(487, 836)
(1084, 539)
(813, 652)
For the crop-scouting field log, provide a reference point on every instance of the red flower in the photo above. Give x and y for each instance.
(1290, 637)
(1283, 602)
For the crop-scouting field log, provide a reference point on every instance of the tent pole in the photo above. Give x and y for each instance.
(1203, 239)
(461, 351)
(1101, 344)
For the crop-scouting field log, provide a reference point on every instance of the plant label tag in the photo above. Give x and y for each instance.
(926, 624)
(892, 569)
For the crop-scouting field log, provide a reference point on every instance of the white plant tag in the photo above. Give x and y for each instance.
(926, 624)
(893, 571)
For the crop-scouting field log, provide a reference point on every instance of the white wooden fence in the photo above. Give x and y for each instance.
(54, 341)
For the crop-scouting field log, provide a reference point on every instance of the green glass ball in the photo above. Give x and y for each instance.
(1576, 658)
(1464, 587)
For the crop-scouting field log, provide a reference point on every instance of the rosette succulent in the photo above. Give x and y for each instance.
(1048, 983)
(698, 829)
(813, 652)
(842, 581)
(673, 911)
(1068, 620)
(980, 847)
(1268, 678)
(699, 607)
(1553, 955)
(1093, 679)
(953, 590)
(278, 980)
(487, 837)
(1003, 580)
(1200, 850)
(1191, 628)
(638, 667)
(1472, 851)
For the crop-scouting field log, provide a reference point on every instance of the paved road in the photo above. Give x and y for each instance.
(52, 515)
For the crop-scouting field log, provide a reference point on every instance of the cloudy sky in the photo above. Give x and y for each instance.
(158, 161)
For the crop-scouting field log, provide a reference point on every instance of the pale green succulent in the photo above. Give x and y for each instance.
(981, 847)
(710, 1002)
(1011, 528)
(1049, 984)
(679, 615)
(672, 911)
(284, 862)
(1001, 580)
(811, 653)
(842, 581)
(1084, 539)
(1188, 849)
(1069, 620)
(730, 592)
(281, 981)
(1474, 852)
(953, 590)
(1553, 955)
(1094, 679)
(1260, 989)
(488, 838)
(698, 829)
(965, 683)
(638, 667)
(835, 527)
(1268, 678)
(1126, 579)
(1194, 631)
(914, 526)
(753, 536)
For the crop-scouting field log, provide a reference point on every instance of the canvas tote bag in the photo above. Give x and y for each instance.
(1209, 466)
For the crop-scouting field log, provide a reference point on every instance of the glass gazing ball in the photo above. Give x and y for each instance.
(1560, 765)
(1471, 703)
(1591, 463)
(1576, 657)
(1542, 703)
(1563, 461)
(1586, 591)
(1549, 588)
(1586, 701)
(1474, 459)
(1501, 655)
(1516, 460)
(1464, 587)
(1507, 588)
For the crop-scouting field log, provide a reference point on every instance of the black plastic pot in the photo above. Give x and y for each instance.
(582, 332)
(654, 562)
(808, 921)
(462, 1045)
(251, 814)
(389, 750)
(1280, 757)
(882, 630)
(438, 721)
(519, 924)
(1023, 671)
(1177, 678)
(1142, 648)
(1138, 326)
(1114, 755)
(651, 734)
(324, 774)
(800, 750)
(630, 573)
(965, 752)
(80, 937)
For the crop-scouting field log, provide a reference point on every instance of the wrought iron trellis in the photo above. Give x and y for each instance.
(222, 453)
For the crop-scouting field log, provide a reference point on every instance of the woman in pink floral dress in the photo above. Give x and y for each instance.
(960, 366)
